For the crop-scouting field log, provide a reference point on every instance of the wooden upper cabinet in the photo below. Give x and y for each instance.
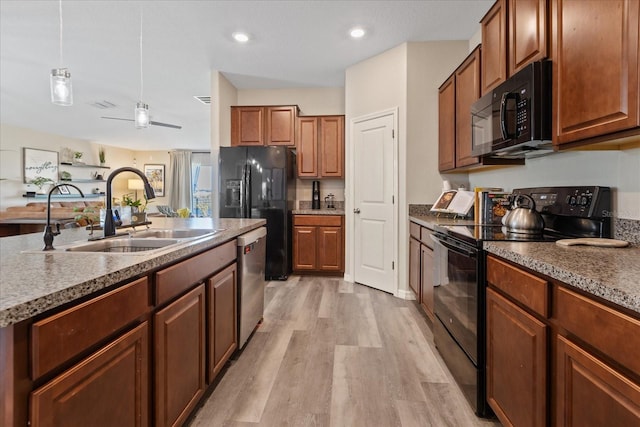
(320, 146)
(494, 46)
(527, 33)
(247, 126)
(595, 68)
(447, 125)
(467, 91)
(331, 146)
(307, 146)
(281, 125)
(263, 125)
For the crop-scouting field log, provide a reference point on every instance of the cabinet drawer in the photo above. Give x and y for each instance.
(613, 333)
(176, 279)
(425, 237)
(525, 288)
(414, 230)
(58, 338)
(321, 220)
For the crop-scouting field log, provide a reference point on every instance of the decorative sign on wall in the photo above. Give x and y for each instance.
(155, 175)
(40, 164)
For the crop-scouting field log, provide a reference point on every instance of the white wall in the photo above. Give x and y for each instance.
(619, 170)
(153, 157)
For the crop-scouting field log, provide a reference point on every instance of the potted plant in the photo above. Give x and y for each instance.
(40, 182)
(101, 156)
(138, 208)
(77, 156)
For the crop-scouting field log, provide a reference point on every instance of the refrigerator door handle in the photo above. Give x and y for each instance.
(243, 189)
(246, 211)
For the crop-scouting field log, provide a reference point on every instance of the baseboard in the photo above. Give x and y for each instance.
(348, 278)
(406, 294)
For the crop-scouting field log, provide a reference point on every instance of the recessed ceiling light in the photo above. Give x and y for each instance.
(241, 37)
(357, 33)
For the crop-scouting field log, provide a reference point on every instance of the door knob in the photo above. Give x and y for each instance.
(356, 210)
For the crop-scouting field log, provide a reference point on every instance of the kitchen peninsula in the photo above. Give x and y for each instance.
(144, 332)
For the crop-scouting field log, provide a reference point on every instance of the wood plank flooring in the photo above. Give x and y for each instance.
(333, 353)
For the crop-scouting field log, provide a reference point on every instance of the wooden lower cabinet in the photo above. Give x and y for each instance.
(516, 363)
(426, 280)
(108, 388)
(318, 243)
(414, 267)
(179, 355)
(590, 393)
(222, 319)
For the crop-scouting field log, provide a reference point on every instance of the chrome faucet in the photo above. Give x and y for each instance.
(48, 233)
(109, 226)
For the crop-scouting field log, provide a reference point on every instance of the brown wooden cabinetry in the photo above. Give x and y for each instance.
(318, 243)
(222, 319)
(426, 280)
(494, 46)
(595, 68)
(320, 146)
(447, 125)
(467, 92)
(179, 355)
(263, 125)
(110, 387)
(421, 266)
(414, 266)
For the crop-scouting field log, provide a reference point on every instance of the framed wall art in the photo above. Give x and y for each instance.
(155, 175)
(39, 164)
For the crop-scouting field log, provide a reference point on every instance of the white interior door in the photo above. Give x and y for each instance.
(374, 159)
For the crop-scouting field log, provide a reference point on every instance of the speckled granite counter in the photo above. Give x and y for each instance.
(318, 212)
(612, 274)
(32, 283)
(430, 220)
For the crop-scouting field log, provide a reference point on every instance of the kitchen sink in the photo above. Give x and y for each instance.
(174, 233)
(124, 245)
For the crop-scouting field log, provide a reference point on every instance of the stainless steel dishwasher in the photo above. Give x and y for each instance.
(251, 282)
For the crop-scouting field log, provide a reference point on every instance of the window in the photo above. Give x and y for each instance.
(202, 184)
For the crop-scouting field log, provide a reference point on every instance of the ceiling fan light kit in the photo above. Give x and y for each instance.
(60, 78)
(141, 115)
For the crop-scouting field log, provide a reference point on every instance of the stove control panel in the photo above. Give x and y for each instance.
(581, 202)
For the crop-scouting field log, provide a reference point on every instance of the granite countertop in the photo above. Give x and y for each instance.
(610, 273)
(32, 283)
(318, 212)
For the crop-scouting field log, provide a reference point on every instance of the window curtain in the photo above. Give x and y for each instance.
(180, 186)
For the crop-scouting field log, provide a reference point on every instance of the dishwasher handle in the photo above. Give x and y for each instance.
(251, 237)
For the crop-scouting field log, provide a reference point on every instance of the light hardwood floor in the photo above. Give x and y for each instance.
(333, 353)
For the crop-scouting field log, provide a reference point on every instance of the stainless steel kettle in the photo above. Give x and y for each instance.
(524, 220)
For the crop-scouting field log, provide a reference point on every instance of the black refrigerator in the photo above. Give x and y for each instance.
(260, 182)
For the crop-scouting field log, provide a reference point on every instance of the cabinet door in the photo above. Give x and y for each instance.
(527, 33)
(247, 126)
(331, 146)
(179, 354)
(281, 126)
(590, 392)
(330, 251)
(307, 146)
(414, 267)
(516, 363)
(222, 320)
(109, 388)
(426, 280)
(467, 92)
(595, 68)
(305, 241)
(494, 46)
(447, 125)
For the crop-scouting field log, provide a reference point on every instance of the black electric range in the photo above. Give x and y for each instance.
(460, 267)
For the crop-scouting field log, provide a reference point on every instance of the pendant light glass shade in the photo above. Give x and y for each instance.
(141, 115)
(61, 90)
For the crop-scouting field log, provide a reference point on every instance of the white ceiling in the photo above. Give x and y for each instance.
(294, 44)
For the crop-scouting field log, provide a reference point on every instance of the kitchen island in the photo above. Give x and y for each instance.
(83, 333)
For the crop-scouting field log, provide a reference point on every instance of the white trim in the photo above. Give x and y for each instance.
(349, 217)
(406, 294)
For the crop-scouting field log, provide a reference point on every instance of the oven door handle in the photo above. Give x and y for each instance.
(465, 252)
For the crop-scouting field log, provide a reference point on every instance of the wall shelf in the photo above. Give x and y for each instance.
(83, 165)
(64, 196)
(65, 181)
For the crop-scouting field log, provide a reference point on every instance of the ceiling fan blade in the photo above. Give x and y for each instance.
(167, 125)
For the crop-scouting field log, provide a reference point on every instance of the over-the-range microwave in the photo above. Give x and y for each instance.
(514, 119)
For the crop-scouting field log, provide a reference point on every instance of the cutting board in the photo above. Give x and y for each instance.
(593, 241)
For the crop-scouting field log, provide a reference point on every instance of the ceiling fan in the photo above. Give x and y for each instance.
(151, 122)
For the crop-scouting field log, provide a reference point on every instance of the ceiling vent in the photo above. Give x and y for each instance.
(204, 99)
(103, 105)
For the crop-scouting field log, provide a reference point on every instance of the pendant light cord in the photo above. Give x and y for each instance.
(60, 15)
(141, 78)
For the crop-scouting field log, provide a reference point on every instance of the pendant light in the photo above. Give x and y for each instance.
(141, 112)
(60, 79)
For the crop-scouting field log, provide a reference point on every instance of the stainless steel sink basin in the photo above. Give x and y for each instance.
(174, 233)
(121, 245)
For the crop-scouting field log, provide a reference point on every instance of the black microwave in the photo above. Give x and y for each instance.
(514, 119)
